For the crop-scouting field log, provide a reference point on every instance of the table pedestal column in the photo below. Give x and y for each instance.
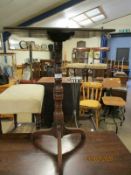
(58, 130)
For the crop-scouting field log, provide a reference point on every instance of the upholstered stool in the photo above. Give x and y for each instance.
(22, 98)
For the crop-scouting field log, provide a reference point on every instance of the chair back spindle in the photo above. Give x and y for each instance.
(91, 90)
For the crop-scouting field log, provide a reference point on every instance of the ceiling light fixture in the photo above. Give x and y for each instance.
(86, 22)
(80, 17)
(98, 18)
(93, 12)
(89, 17)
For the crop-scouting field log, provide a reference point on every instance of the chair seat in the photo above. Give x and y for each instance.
(94, 104)
(113, 101)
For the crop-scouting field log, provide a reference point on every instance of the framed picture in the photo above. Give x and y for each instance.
(122, 54)
(81, 55)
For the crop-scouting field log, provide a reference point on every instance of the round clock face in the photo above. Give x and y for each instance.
(23, 44)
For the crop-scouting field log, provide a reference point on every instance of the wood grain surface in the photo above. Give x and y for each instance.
(102, 153)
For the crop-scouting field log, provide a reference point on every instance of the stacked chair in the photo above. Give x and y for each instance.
(114, 106)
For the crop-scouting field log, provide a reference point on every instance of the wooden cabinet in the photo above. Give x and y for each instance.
(82, 54)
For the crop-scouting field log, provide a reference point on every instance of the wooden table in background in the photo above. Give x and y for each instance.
(102, 153)
(48, 106)
(44, 80)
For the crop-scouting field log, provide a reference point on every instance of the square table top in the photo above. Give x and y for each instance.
(44, 80)
(102, 153)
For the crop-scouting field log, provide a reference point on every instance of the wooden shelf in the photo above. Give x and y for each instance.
(11, 53)
(92, 48)
(28, 50)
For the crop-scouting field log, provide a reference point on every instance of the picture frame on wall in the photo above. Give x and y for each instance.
(122, 54)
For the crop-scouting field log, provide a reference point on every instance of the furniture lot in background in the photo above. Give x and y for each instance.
(115, 106)
(118, 69)
(22, 98)
(121, 64)
(91, 95)
(46, 68)
(84, 69)
(88, 55)
(39, 69)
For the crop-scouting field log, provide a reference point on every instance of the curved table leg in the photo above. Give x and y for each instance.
(58, 131)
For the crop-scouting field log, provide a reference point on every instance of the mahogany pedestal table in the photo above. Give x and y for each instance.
(58, 130)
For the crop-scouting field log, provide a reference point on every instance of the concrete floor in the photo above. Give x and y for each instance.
(124, 132)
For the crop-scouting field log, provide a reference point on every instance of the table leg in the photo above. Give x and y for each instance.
(0, 126)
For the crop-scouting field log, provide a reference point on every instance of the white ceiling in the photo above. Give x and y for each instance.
(14, 12)
(113, 9)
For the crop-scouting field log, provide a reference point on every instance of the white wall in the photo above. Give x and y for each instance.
(22, 55)
(119, 42)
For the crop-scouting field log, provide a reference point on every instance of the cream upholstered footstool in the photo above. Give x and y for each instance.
(22, 98)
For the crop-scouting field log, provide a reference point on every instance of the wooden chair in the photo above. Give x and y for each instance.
(91, 95)
(111, 83)
(113, 102)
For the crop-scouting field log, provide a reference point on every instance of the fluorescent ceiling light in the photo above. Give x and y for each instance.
(86, 22)
(98, 18)
(88, 17)
(93, 12)
(80, 17)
